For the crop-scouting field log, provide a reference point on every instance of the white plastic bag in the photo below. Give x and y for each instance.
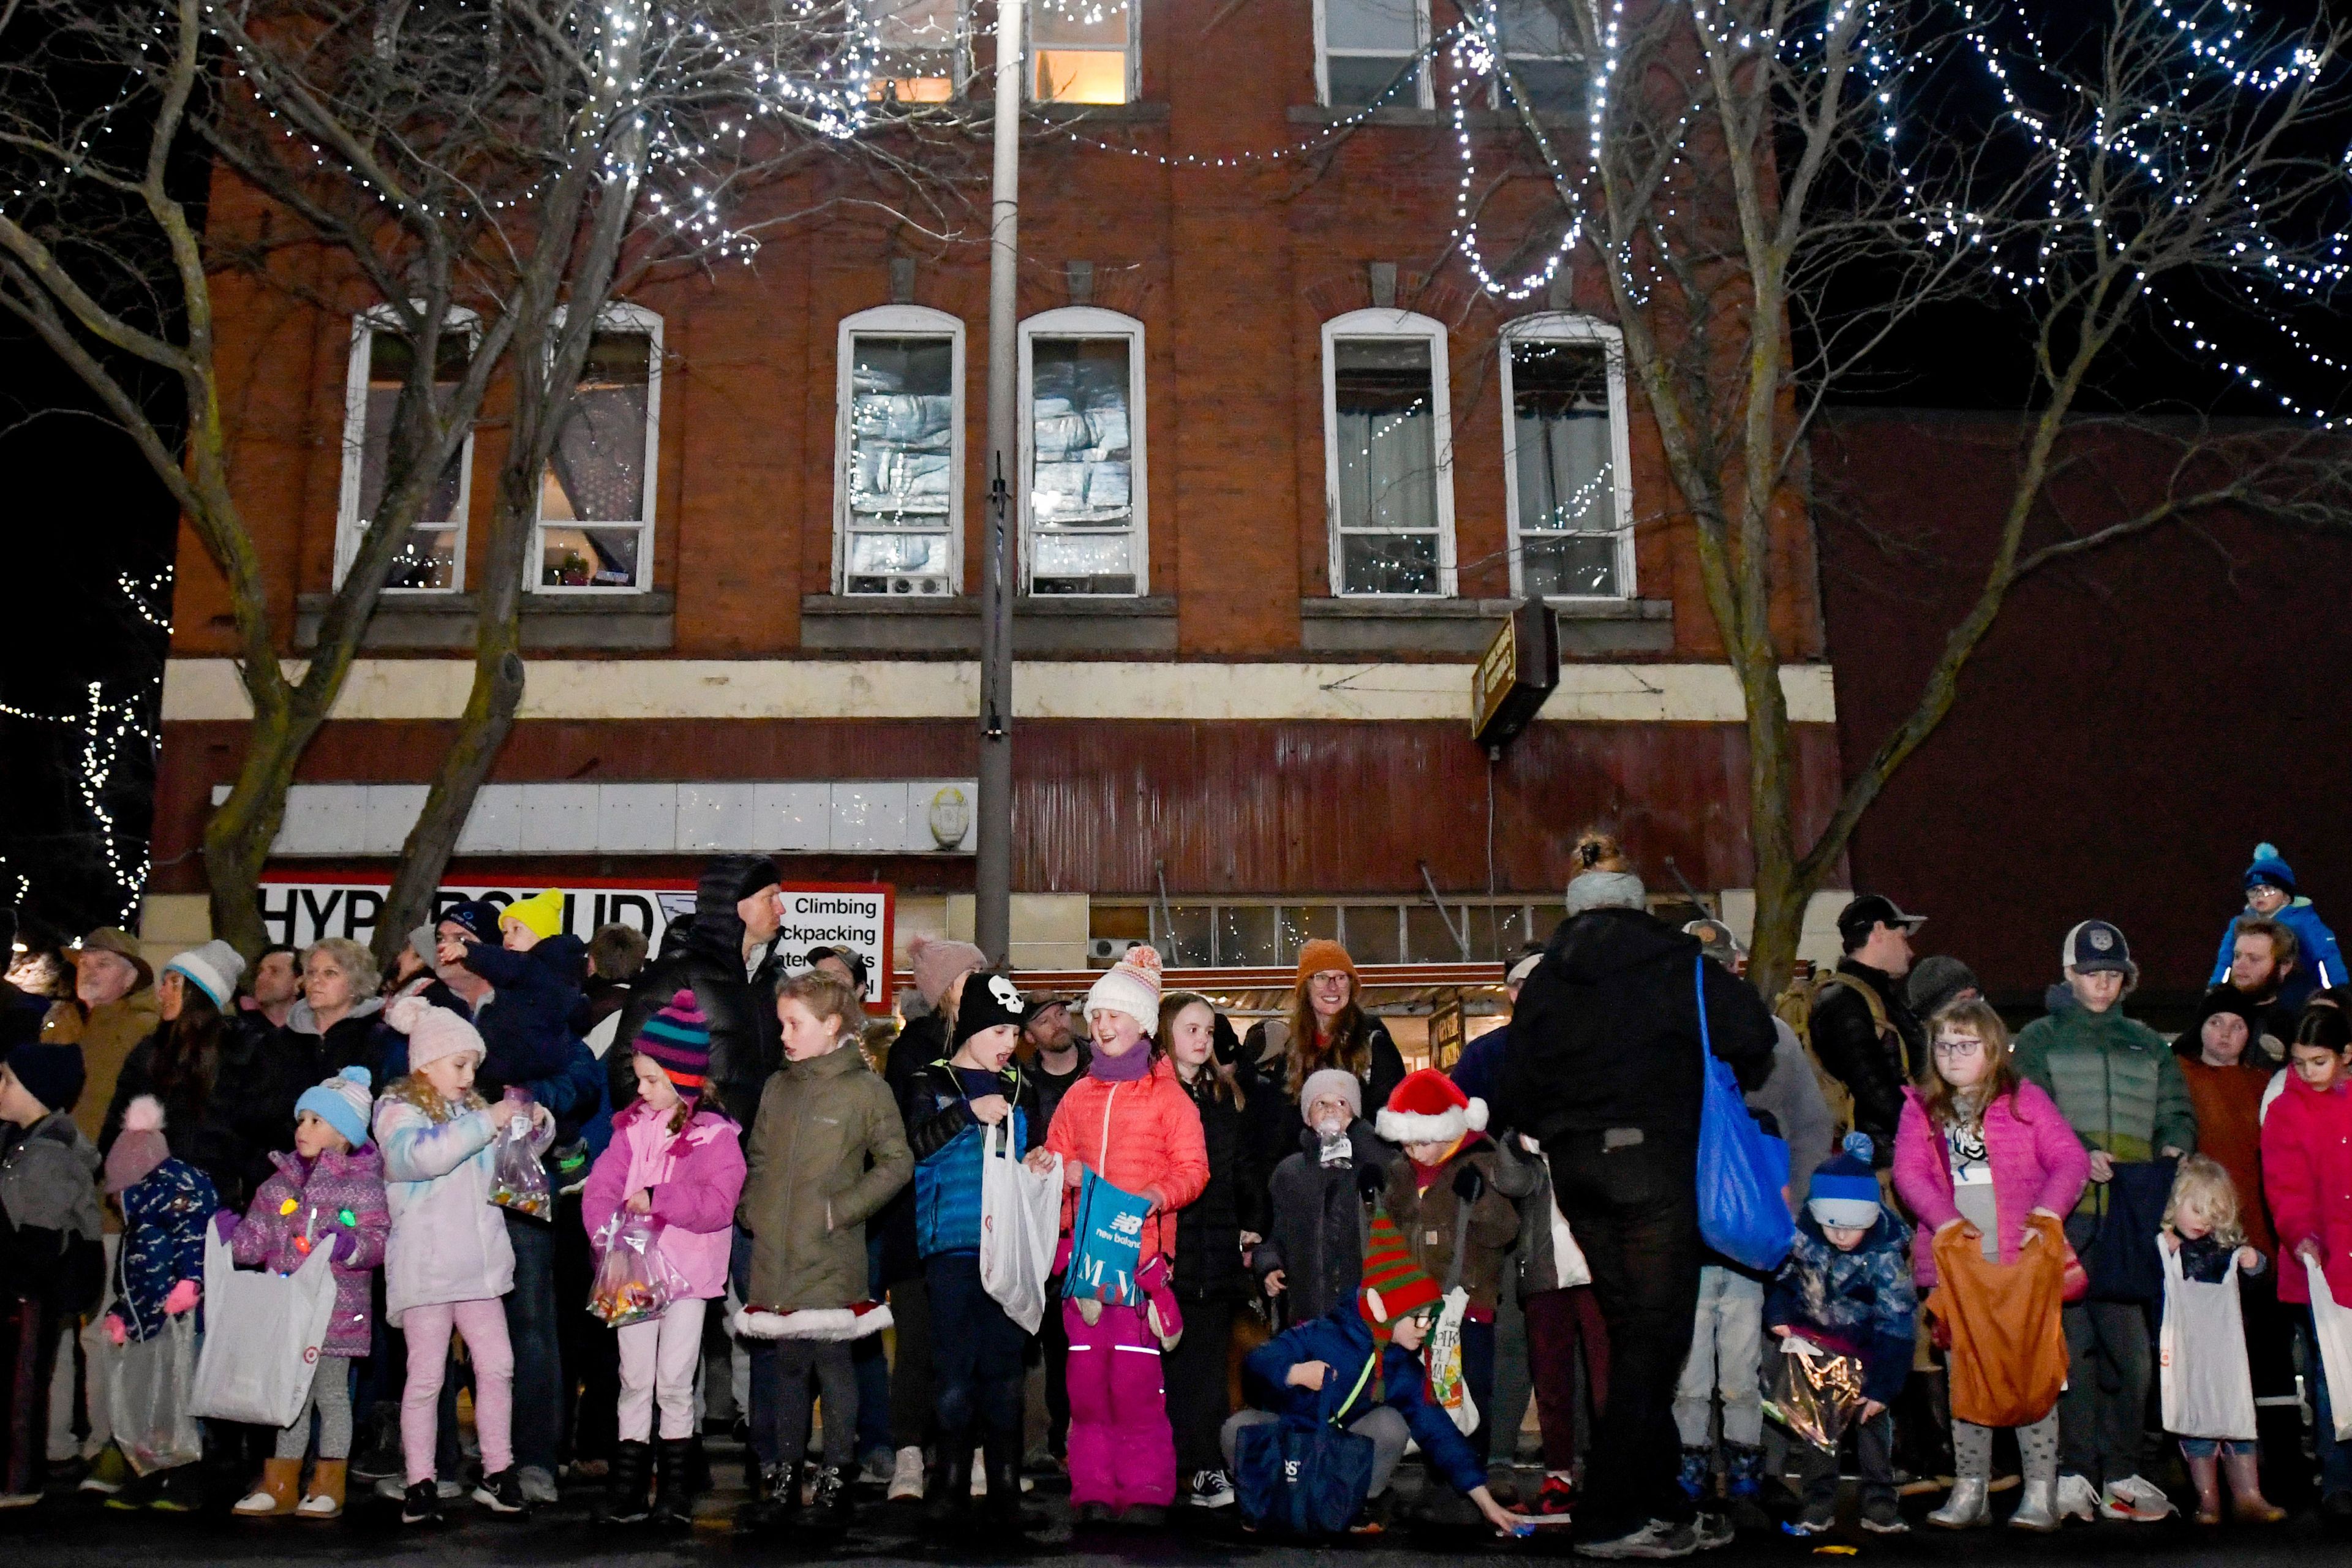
(2202, 1356)
(1020, 1222)
(1449, 1389)
(2335, 1323)
(263, 1333)
(148, 1399)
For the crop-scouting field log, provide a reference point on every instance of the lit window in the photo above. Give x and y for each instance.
(1542, 57)
(434, 557)
(596, 496)
(918, 50)
(1084, 51)
(1082, 449)
(1369, 52)
(1566, 464)
(1388, 454)
(899, 488)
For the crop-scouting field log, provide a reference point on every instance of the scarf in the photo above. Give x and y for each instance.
(1132, 1067)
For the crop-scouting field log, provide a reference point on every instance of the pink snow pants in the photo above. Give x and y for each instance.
(1122, 1451)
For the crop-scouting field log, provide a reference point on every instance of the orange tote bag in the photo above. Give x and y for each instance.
(2009, 1347)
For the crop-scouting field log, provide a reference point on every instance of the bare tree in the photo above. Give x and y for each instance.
(1769, 189)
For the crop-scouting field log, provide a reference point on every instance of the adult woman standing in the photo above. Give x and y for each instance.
(335, 1020)
(1325, 1028)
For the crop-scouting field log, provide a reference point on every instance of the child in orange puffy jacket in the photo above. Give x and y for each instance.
(1130, 1122)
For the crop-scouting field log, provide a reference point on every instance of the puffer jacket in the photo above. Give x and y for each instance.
(1143, 1137)
(2307, 1174)
(923, 1041)
(163, 1217)
(2037, 1163)
(50, 1214)
(827, 1152)
(1490, 1183)
(2318, 961)
(1341, 1341)
(948, 1145)
(449, 1241)
(1857, 1304)
(1208, 1230)
(1321, 1221)
(350, 1041)
(736, 998)
(335, 1200)
(2114, 1079)
(696, 1177)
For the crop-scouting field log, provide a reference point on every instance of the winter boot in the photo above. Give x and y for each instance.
(625, 1483)
(325, 1497)
(2205, 1474)
(775, 1501)
(954, 1494)
(673, 1498)
(281, 1480)
(1697, 1472)
(1743, 1472)
(829, 1508)
(1969, 1507)
(1003, 1507)
(2247, 1504)
(2037, 1506)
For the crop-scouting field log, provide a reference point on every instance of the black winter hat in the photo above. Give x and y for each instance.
(50, 1074)
(730, 880)
(988, 1000)
(480, 917)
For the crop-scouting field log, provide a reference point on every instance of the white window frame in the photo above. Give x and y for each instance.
(1424, 91)
(958, 53)
(365, 324)
(1499, 98)
(1386, 324)
(896, 322)
(1560, 326)
(619, 317)
(1087, 321)
(1134, 52)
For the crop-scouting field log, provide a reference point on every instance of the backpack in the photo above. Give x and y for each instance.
(1795, 1007)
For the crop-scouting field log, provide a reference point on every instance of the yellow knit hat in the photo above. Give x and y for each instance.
(541, 914)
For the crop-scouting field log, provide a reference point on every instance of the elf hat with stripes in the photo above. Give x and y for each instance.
(1394, 1285)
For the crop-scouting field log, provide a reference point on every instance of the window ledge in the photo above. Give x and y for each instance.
(1587, 627)
(1475, 118)
(949, 623)
(1100, 113)
(589, 621)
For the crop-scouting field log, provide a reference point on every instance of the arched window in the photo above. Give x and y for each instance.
(595, 525)
(433, 560)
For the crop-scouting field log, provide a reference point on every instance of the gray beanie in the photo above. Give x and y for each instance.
(423, 942)
(1607, 890)
(1934, 982)
(1335, 1081)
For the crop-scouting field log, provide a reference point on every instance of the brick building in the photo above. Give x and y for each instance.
(1285, 468)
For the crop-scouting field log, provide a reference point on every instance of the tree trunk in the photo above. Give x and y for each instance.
(238, 833)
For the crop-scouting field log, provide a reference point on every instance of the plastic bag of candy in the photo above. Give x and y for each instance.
(634, 1281)
(518, 1181)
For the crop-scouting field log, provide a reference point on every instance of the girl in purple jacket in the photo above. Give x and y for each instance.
(329, 1192)
(1980, 1149)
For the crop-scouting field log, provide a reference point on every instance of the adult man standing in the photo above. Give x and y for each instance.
(726, 960)
(1862, 1028)
(274, 984)
(2264, 958)
(1603, 1066)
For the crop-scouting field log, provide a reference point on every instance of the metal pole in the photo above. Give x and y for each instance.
(992, 875)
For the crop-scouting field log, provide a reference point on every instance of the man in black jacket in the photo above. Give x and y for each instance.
(726, 960)
(1872, 1051)
(1603, 1066)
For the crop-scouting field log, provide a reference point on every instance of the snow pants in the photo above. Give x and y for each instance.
(1122, 1450)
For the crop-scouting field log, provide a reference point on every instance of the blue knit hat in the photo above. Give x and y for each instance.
(343, 1102)
(2269, 870)
(1844, 1192)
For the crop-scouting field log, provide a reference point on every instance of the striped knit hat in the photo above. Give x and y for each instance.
(679, 1038)
(1394, 1285)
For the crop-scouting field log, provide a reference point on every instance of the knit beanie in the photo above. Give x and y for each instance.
(1394, 1286)
(432, 1032)
(212, 968)
(1429, 1108)
(989, 1000)
(343, 1102)
(936, 962)
(1335, 1083)
(1130, 986)
(1845, 1191)
(541, 914)
(729, 879)
(477, 918)
(1322, 954)
(140, 1147)
(50, 1074)
(1934, 981)
(677, 1038)
(426, 944)
(2270, 870)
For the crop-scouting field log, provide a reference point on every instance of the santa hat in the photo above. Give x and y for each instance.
(854, 1321)
(1394, 1286)
(1130, 986)
(140, 1147)
(1427, 1108)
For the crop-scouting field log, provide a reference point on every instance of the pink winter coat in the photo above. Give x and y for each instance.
(696, 1176)
(306, 1203)
(2307, 1176)
(2037, 1162)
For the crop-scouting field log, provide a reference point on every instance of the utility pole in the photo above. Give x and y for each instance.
(992, 875)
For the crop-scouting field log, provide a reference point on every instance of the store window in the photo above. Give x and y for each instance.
(1387, 455)
(1082, 450)
(1266, 933)
(596, 496)
(919, 48)
(1542, 57)
(1083, 51)
(1372, 52)
(899, 489)
(433, 558)
(1567, 473)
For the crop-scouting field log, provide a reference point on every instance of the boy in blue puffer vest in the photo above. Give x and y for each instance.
(2271, 895)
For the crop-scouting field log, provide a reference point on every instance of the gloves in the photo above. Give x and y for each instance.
(183, 1298)
(1469, 1184)
(1370, 1180)
(225, 1224)
(347, 1246)
(115, 1332)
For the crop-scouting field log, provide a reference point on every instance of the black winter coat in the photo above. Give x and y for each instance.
(1606, 1033)
(1208, 1230)
(1873, 1069)
(746, 1041)
(230, 1132)
(1320, 1220)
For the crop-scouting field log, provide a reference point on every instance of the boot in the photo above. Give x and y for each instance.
(281, 1482)
(673, 1498)
(325, 1498)
(830, 1505)
(625, 1483)
(775, 1501)
(1969, 1507)
(954, 1494)
(2247, 1504)
(1003, 1508)
(2206, 1474)
(2037, 1506)
(1743, 1471)
(1697, 1470)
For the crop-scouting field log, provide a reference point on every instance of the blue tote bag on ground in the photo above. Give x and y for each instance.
(1303, 1480)
(1741, 1168)
(1106, 1243)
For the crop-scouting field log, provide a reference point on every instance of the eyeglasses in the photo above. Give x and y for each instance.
(1964, 1045)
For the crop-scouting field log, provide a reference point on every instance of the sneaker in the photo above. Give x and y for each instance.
(1884, 1522)
(392, 1488)
(1557, 1499)
(906, 1475)
(177, 1491)
(421, 1504)
(109, 1473)
(1808, 1523)
(502, 1493)
(1712, 1530)
(2076, 1498)
(878, 1470)
(1212, 1489)
(2142, 1502)
(1657, 1541)
(538, 1486)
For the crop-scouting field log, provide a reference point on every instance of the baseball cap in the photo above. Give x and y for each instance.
(2094, 947)
(848, 955)
(1040, 1005)
(1874, 908)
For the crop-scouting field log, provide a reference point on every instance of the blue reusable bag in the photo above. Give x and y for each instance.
(1741, 1168)
(1301, 1479)
(1106, 1243)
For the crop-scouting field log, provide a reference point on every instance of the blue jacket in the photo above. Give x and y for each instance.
(564, 1074)
(1478, 1072)
(1342, 1340)
(1857, 1304)
(946, 1144)
(163, 1217)
(2317, 959)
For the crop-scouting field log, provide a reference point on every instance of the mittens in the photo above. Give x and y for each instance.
(115, 1332)
(1469, 1184)
(183, 1298)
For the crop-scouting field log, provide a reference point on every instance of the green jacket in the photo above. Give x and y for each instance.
(826, 1152)
(2116, 1081)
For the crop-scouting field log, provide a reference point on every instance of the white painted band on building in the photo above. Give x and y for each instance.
(591, 689)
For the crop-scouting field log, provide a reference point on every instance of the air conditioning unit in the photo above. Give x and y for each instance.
(1102, 952)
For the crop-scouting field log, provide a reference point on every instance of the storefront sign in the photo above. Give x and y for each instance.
(1515, 674)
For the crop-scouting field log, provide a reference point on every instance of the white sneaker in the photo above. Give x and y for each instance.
(2142, 1502)
(2076, 1500)
(396, 1488)
(907, 1477)
(980, 1472)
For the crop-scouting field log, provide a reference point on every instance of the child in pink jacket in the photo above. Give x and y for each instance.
(684, 1166)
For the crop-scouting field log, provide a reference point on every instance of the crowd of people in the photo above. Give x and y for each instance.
(624, 1202)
